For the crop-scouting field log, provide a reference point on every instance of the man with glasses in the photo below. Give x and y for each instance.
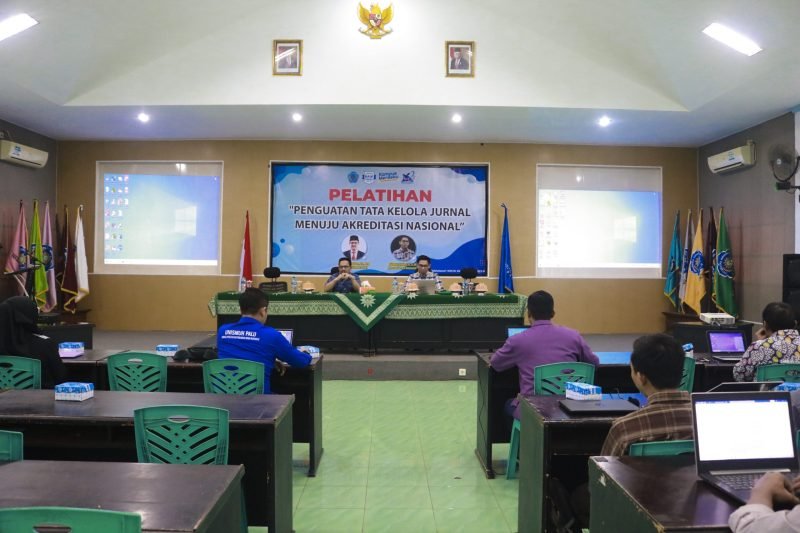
(343, 281)
(424, 272)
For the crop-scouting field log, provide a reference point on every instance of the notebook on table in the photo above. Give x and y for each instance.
(741, 435)
(426, 286)
(726, 345)
(598, 407)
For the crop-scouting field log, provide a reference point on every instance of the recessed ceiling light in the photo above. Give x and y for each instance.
(297, 117)
(732, 38)
(604, 121)
(456, 118)
(143, 117)
(14, 25)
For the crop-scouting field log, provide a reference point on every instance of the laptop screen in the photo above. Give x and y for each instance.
(514, 330)
(730, 429)
(726, 341)
(288, 334)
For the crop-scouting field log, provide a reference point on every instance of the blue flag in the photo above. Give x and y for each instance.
(673, 275)
(505, 279)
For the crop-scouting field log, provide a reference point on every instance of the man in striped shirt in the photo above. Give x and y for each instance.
(656, 370)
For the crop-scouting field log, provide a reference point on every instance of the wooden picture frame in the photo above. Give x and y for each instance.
(287, 57)
(459, 59)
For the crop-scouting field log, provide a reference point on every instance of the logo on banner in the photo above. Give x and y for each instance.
(368, 177)
(387, 176)
(408, 178)
(352, 177)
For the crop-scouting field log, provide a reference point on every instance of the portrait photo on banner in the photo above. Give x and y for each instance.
(459, 58)
(287, 57)
(381, 217)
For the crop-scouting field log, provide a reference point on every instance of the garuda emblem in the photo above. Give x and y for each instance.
(375, 19)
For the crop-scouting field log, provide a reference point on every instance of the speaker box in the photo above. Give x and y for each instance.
(791, 282)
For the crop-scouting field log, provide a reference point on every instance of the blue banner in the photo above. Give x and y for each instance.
(380, 216)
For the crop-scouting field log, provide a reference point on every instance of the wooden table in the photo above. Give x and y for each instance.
(187, 376)
(175, 498)
(101, 429)
(654, 494)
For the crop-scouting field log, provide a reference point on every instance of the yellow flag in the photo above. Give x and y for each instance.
(695, 282)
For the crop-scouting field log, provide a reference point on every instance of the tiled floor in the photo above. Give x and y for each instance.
(399, 458)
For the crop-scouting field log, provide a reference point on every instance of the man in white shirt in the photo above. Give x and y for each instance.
(759, 515)
(424, 272)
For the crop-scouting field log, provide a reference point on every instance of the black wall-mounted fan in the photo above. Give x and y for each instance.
(784, 162)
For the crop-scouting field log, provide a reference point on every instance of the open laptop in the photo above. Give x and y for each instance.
(288, 334)
(738, 436)
(598, 407)
(513, 330)
(726, 345)
(426, 286)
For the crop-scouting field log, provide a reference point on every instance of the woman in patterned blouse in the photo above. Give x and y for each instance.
(776, 342)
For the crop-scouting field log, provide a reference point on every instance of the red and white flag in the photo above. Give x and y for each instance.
(245, 263)
(81, 268)
(18, 254)
(48, 256)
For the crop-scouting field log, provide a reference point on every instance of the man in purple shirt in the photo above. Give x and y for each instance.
(541, 344)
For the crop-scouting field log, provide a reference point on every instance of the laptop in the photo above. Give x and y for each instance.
(745, 386)
(598, 407)
(288, 334)
(513, 330)
(738, 436)
(426, 286)
(726, 345)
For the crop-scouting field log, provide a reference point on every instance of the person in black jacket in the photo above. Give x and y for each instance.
(20, 336)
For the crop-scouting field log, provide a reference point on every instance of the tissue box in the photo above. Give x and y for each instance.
(583, 391)
(74, 391)
(311, 350)
(167, 350)
(791, 387)
(70, 349)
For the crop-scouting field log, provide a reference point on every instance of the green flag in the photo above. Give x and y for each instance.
(36, 251)
(724, 297)
(673, 276)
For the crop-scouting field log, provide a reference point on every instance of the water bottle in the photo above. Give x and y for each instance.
(395, 285)
(294, 284)
(242, 284)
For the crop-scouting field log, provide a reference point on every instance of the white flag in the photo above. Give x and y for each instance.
(81, 270)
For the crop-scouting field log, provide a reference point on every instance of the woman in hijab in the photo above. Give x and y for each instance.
(19, 335)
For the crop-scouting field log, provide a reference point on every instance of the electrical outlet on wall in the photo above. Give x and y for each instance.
(462, 371)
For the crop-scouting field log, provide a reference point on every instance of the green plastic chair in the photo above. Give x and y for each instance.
(548, 380)
(661, 447)
(181, 434)
(10, 446)
(68, 519)
(786, 372)
(233, 376)
(687, 379)
(137, 372)
(552, 379)
(20, 372)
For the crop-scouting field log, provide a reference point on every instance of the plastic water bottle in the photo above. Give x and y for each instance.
(242, 284)
(688, 350)
(395, 285)
(294, 284)
(465, 288)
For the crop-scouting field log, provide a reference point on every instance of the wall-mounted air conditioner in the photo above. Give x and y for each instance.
(742, 156)
(19, 154)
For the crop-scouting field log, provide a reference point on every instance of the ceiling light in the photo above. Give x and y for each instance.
(143, 117)
(14, 25)
(456, 118)
(297, 117)
(732, 38)
(604, 121)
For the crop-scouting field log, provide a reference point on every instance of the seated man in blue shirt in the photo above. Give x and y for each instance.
(250, 339)
(344, 281)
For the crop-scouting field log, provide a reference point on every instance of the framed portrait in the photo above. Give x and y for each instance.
(459, 58)
(287, 57)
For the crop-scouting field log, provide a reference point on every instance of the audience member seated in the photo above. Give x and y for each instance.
(759, 514)
(20, 336)
(344, 281)
(541, 344)
(424, 272)
(777, 341)
(250, 339)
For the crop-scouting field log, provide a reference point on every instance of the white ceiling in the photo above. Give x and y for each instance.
(545, 70)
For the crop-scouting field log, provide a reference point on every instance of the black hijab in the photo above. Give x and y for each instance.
(18, 316)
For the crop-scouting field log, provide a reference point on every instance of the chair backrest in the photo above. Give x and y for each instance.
(20, 372)
(10, 446)
(687, 379)
(137, 372)
(662, 447)
(273, 286)
(68, 519)
(233, 376)
(552, 379)
(788, 372)
(181, 434)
